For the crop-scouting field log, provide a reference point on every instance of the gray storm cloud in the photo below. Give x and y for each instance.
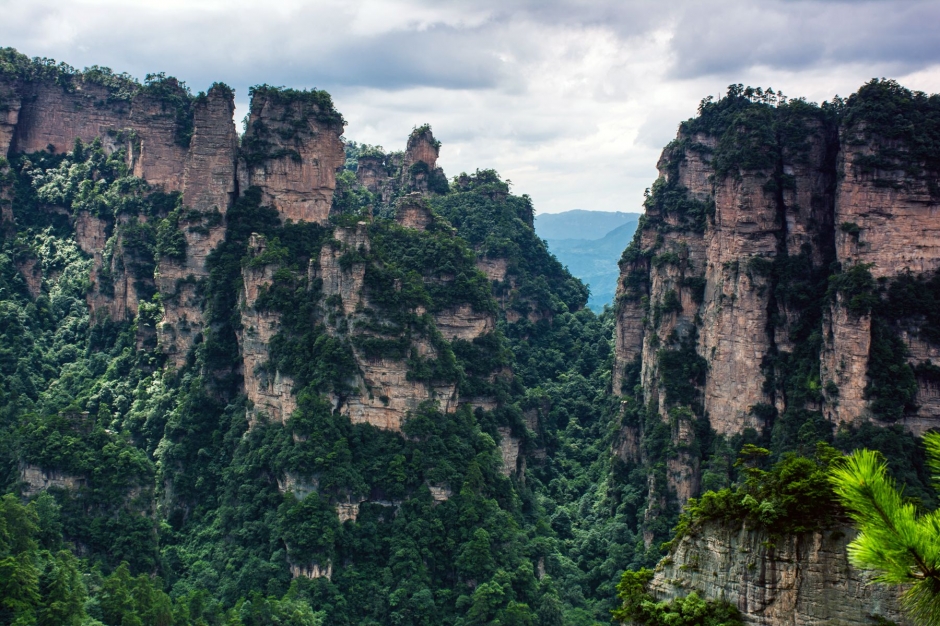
(570, 99)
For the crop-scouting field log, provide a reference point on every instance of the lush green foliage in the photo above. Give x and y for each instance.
(896, 538)
(639, 607)
(184, 514)
(793, 496)
(904, 127)
(43, 583)
(311, 103)
(499, 225)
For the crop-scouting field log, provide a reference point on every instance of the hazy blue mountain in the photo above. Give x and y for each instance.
(593, 260)
(580, 224)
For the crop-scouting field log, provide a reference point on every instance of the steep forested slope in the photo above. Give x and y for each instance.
(392, 410)
(286, 379)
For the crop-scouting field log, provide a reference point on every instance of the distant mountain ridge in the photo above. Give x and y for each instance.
(580, 224)
(573, 238)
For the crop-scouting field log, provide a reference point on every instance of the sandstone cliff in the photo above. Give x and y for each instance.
(757, 293)
(792, 579)
(49, 115)
(208, 191)
(270, 392)
(291, 150)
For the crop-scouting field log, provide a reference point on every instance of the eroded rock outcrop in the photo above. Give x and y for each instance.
(208, 191)
(887, 222)
(291, 151)
(147, 121)
(390, 176)
(269, 391)
(38, 479)
(384, 391)
(773, 580)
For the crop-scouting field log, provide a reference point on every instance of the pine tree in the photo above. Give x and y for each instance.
(895, 538)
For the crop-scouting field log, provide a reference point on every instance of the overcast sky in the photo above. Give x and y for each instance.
(570, 99)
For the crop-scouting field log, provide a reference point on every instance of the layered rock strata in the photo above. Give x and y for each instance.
(209, 189)
(385, 393)
(791, 579)
(270, 392)
(43, 115)
(888, 221)
(291, 150)
(732, 282)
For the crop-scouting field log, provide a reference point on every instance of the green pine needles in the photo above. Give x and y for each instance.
(895, 537)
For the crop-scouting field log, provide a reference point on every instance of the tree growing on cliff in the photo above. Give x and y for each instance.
(895, 537)
(640, 608)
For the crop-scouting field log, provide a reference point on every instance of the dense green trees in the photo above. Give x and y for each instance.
(171, 510)
(640, 608)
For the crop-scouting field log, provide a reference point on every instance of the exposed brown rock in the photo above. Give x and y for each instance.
(208, 190)
(844, 361)
(413, 211)
(388, 176)
(112, 292)
(897, 231)
(52, 116)
(9, 115)
(899, 225)
(495, 269)
(270, 393)
(464, 323)
(384, 394)
(297, 175)
(736, 301)
(422, 147)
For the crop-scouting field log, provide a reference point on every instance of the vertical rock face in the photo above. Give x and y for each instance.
(208, 191)
(757, 293)
(270, 392)
(413, 212)
(291, 150)
(419, 167)
(389, 176)
(509, 453)
(794, 579)
(896, 216)
(50, 116)
(10, 104)
(175, 142)
(113, 292)
(844, 361)
(384, 392)
(887, 220)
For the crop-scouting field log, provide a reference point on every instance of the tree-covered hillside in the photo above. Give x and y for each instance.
(144, 493)
(398, 413)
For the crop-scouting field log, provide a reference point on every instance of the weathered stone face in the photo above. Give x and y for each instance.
(209, 190)
(892, 226)
(50, 116)
(384, 394)
(270, 393)
(295, 160)
(744, 279)
(791, 579)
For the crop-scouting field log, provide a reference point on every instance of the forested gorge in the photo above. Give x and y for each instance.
(515, 466)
